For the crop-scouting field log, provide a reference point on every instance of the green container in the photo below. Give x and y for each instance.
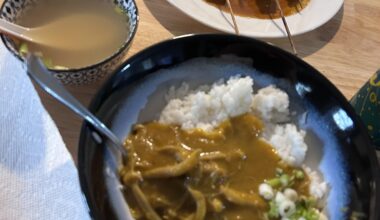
(367, 104)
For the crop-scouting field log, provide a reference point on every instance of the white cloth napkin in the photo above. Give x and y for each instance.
(38, 178)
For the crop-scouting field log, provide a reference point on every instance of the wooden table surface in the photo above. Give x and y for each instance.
(346, 50)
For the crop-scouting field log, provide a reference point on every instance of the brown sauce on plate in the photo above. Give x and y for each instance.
(264, 9)
(231, 159)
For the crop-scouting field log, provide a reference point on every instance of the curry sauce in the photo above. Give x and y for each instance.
(177, 174)
(264, 9)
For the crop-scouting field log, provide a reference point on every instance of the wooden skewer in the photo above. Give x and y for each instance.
(300, 2)
(233, 17)
(286, 28)
(299, 7)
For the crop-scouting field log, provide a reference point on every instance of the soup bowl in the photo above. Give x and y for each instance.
(339, 146)
(11, 10)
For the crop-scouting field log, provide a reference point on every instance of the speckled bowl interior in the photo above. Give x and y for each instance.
(11, 10)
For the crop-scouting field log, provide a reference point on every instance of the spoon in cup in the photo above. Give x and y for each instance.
(32, 35)
(17, 31)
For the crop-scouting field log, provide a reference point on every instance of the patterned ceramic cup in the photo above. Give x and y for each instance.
(12, 9)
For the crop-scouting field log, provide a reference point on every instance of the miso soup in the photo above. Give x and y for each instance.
(74, 33)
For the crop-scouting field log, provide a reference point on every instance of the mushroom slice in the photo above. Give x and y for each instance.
(240, 198)
(174, 170)
(215, 155)
(215, 204)
(200, 202)
(143, 203)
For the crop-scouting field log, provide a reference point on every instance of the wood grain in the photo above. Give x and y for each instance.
(346, 50)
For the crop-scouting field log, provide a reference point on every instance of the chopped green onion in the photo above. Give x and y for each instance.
(306, 213)
(299, 174)
(279, 172)
(305, 209)
(275, 182)
(284, 179)
(23, 49)
(273, 210)
(119, 10)
(291, 180)
(307, 202)
(48, 62)
(310, 202)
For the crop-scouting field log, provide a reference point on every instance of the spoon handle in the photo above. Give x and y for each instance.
(44, 78)
(15, 30)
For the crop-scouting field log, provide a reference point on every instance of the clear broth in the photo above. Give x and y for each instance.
(76, 33)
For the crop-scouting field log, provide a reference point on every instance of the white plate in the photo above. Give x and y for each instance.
(317, 13)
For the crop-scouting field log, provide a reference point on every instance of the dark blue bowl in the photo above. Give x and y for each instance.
(339, 144)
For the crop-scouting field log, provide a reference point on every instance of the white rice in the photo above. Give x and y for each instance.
(207, 107)
(271, 104)
(206, 110)
(289, 144)
(318, 187)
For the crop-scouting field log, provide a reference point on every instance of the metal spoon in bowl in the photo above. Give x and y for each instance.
(44, 78)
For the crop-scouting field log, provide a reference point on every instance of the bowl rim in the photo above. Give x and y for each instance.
(123, 47)
(99, 97)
